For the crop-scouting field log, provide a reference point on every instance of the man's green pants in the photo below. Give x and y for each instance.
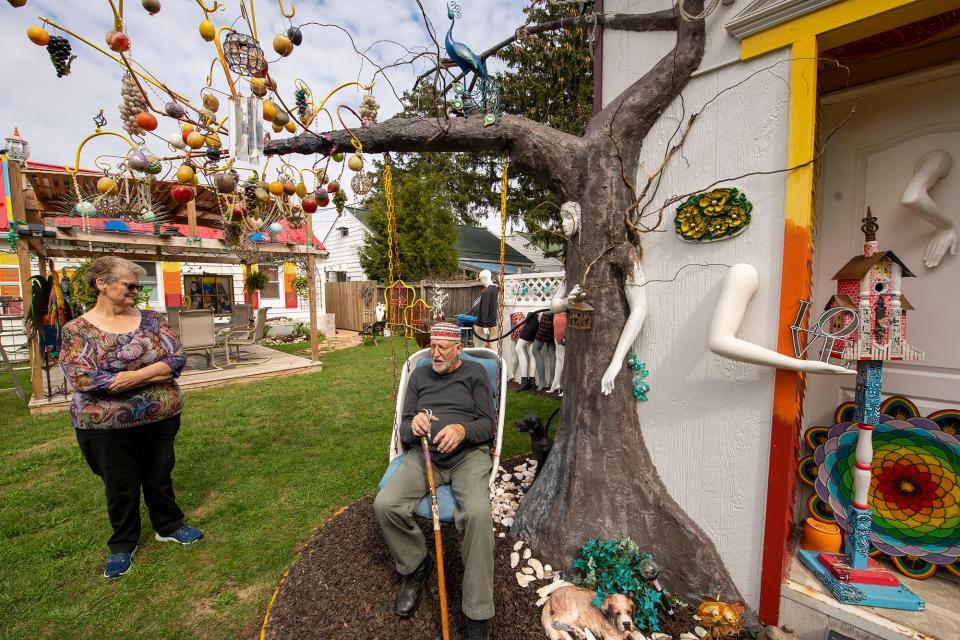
(469, 480)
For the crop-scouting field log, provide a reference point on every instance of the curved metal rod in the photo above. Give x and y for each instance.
(293, 10)
(97, 134)
(342, 86)
(117, 15)
(216, 7)
(106, 167)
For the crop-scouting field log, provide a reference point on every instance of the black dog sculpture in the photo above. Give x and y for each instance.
(540, 441)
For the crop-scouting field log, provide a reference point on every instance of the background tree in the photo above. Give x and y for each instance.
(599, 451)
(426, 230)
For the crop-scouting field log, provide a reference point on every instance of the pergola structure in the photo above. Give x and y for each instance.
(36, 193)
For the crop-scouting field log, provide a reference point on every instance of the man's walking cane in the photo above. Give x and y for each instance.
(437, 542)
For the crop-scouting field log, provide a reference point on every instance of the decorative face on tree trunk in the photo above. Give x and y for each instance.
(570, 217)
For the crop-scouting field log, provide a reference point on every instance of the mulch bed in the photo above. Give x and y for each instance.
(343, 587)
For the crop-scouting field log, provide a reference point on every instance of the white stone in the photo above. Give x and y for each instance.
(661, 636)
(518, 476)
(514, 560)
(700, 631)
(537, 567)
(687, 636)
(527, 553)
(505, 477)
(547, 568)
(553, 586)
(527, 570)
(524, 580)
(502, 534)
(542, 601)
(507, 522)
(517, 545)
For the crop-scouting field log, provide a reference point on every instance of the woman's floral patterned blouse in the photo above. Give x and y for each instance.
(91, 359)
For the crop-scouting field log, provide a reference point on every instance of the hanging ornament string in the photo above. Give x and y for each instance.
(503, 251)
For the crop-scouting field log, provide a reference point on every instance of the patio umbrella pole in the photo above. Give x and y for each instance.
(437, 541)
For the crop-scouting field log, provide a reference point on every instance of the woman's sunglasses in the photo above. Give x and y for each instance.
(132, 287)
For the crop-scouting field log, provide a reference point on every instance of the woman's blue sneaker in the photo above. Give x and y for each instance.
(119, 563)
(183, 535)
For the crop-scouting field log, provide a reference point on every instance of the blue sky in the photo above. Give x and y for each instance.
(55, 114)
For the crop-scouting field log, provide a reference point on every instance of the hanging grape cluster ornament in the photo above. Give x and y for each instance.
(639, 368)
(133, 104)
(59, 50)
(368, 111)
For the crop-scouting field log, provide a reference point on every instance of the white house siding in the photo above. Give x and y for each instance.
(344, 251)
(541, 263)
(707, 423)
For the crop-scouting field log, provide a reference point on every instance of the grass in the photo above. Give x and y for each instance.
(295, 347)
(259, 467)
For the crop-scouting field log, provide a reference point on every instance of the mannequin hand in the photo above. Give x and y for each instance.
(941, 241)
(606, 383)
(572, 296)
(817, 366)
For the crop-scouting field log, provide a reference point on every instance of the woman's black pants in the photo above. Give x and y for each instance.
(126, 460)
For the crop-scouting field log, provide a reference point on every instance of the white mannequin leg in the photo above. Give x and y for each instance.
(538, 362)
(561, 352)
(524, 359)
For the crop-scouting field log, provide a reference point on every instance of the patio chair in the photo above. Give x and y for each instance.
(198, 334)
(493, 365)
(239, 319)
(241, 337)
(173, 317)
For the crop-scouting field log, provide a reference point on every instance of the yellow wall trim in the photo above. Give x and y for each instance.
(843, 22)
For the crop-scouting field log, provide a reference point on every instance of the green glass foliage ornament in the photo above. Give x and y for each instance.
(713, 215)
(639, 368)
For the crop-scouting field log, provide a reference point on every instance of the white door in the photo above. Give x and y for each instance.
(868, 162)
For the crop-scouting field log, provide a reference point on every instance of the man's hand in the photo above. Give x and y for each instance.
(125, 381)
(450, 437)
(421, 424)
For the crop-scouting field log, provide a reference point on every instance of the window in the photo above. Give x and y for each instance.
(272, 290)
(344, 232)
(149, 281)
(208, 291)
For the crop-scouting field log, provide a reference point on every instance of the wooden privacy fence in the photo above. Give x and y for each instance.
(354, 303)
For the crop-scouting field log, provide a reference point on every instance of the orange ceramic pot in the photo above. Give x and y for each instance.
(821, 536)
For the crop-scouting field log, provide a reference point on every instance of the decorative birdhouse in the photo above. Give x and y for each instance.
(869, 285)
(18, 149)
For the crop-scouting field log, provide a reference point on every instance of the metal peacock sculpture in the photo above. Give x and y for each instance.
(485, 97)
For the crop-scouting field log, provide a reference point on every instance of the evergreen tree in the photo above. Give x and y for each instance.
(426, 229)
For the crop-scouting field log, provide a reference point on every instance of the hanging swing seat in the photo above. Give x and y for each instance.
(493, 366)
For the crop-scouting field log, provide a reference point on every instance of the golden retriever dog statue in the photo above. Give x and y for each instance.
(570, 612)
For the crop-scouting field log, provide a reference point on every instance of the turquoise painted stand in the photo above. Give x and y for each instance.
(852, 576)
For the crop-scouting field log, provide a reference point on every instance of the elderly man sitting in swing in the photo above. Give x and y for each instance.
(450, 402)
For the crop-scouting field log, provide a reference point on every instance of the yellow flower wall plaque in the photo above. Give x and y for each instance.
(713, 215)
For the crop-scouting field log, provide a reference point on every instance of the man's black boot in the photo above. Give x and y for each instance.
(408, 596)
(477, 630)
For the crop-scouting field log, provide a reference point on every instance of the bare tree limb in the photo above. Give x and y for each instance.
(633, 112)
(539, 150)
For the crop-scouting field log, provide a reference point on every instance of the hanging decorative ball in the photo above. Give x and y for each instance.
(276, 128)
(355, 162)
(182, 193)
(106, 185)
(323, 199)
(276, 188)
(211, 102)
(146, 121)
(154, 165)
(237, 212)
(212, 154)
(301, 190)
(258, 87)
(85, 208)
(149, 216)
(282, 45)
(275, 228)
(152, 6)
(289, 188)
(225, 182)
(243, 55)
(333, 187)
(338, 156)
(195, 140)
(118, 41)
(269, 111)
(296, 37)
(186, 127)
(17, 3)
(309, 205)
(38, 36)
(137, 160)
(207, 31)
(262, 195)
(174, 109)
(282, 118)
(185, 173)
(213, 140)
(290, 126)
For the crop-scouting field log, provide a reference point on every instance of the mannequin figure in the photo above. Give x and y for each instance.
(560, 350)
(930, 169)
(544, 351)
(515, 318)
(487, 324)
(739, 286)
(525, 351)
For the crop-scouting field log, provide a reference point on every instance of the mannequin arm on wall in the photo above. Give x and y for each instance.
(931, 168)
(637, 301)
(739, 286)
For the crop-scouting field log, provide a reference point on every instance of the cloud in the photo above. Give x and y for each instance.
(55, 114)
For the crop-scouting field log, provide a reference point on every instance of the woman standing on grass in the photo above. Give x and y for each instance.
(121, 364)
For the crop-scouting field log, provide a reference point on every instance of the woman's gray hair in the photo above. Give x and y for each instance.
(108, 269)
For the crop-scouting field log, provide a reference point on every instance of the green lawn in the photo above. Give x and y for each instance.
(259, 467)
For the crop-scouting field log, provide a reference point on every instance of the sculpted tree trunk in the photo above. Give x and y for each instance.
(599, 480)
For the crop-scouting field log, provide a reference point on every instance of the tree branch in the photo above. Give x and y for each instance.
(633, 112)
(658, 21)
(537, 149)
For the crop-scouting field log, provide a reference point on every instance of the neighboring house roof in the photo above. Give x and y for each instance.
(522, 243)
(858, 266)
(360, 214)
(479, 248)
